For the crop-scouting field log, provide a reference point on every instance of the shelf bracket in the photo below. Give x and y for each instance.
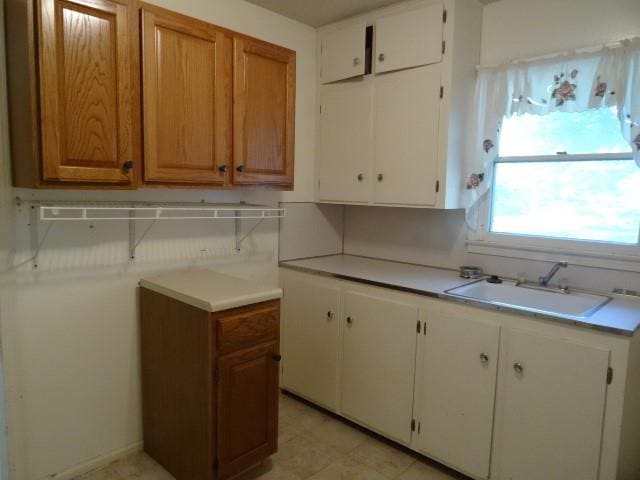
(133, 243)
(241, 238)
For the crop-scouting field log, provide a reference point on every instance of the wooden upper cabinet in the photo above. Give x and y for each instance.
(187, 99)
(264, 113)
(73, 94)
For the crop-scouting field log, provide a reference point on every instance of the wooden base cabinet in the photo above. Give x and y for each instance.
(209, 386)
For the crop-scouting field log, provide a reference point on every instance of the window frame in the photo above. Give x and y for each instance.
(580, 252)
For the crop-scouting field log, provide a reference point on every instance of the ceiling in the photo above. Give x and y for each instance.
(321, 12)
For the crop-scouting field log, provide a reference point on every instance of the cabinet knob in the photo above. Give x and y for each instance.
(350, 320)
(356, 61)
(380, 177)
(518, 367)
(330, 315)
(240, 168)
(484, 357)
(381, 57)
(277, 357)
(223, 169)
(128, 165)
(360, 177)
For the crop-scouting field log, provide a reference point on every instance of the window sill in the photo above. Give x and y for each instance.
(588, 258)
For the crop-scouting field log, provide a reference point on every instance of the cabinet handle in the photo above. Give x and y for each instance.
(277, 357)
(484, 357)
(223, 169)
(381, 57)
(350, 320)
(356, 61)
(380, 177)
(518, 367)
(330, 315)
(128, 165)
(360, 177)
(240, 168)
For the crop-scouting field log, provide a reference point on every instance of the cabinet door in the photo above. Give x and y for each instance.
(346, 143)
(247, 407)
(406, 136)
(187, 99)
(264, 113)
(311, 328)
(455, 394)
(379, 352)
(86, 92)
(409, 39)
(343, 53)
(550, 408)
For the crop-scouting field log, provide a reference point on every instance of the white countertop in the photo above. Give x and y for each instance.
(621, 315)
(209, 290)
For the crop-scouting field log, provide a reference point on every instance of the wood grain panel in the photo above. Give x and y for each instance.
(264, 113)
(178, 401)
(187, 99)
(248, 326)
(85, 91)
(247, 408)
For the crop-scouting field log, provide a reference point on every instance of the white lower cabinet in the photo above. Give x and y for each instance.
(455, 390)
(378, 363)
(311, 329)
(477, 390)
(550, 411)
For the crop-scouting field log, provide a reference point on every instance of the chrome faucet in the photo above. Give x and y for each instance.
(544, 281)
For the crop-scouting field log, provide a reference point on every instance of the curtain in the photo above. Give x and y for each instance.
(573, 83)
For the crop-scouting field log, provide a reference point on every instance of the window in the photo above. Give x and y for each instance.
(566, 176)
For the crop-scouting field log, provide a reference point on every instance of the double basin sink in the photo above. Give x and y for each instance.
(528, 298)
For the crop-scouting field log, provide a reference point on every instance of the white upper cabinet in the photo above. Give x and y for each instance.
(409, 39)
(345, 160)
(406, 139)
(393, 129)
(343, 53)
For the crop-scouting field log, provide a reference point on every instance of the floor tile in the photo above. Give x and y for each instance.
(422, 471)
(347, 469)
(383, 458)
(339, 435)
(305, 456)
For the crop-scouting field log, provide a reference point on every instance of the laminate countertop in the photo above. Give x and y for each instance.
(620, 316)
(209, 290)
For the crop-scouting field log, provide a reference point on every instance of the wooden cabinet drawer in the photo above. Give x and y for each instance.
(247, 326)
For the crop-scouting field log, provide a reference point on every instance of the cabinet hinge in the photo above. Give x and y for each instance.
(424, 329)
(609, 375)
(419, 326)
(413, 424)
(441, 91)
(437, 186)
(444, 16)
(419, 425)
(444, 47)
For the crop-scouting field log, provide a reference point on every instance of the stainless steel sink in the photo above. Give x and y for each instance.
(545, 301)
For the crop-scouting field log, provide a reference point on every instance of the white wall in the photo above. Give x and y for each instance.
(69, 330)
(515, 29)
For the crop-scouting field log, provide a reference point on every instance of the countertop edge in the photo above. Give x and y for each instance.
(451, 298)
(270, 293)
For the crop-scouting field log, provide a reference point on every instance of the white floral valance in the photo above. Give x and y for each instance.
(573, 83)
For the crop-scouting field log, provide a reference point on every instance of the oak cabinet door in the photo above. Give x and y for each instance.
(346, 142)
(86, 91)
(311, 332)
(264, 113)
(550, 408)
(409, 39)
(379, 353)
(455, 391)
(343, 53)
(187, 99)
(247, 407)
(407, 114)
